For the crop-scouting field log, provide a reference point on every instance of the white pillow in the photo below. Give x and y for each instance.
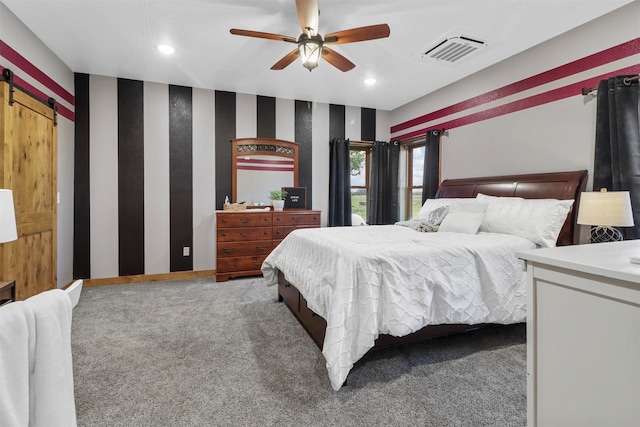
(455, 205)
(461, 222)
(538, 220)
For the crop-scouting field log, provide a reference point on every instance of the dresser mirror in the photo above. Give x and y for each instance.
(262, 165)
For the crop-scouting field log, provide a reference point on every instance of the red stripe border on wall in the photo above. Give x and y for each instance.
(522, 104)
(606, 56)
(23, 63)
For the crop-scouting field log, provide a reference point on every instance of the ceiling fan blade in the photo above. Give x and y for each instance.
(337, 60)
(262, 35)
(308, 16)
(361, 34)
(286, 60)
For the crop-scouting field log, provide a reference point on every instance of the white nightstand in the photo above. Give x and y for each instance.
(583, 335)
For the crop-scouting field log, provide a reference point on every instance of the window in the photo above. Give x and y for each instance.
(360, 162)
(414, 182)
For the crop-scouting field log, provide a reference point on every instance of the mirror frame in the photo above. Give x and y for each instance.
(263, 147)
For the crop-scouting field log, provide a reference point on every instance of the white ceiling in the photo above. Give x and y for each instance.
(119, 38)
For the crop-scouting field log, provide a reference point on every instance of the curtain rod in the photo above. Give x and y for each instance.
(401, 142)
(418, 138)
(358, 143)
(626, 80)
(363, 143)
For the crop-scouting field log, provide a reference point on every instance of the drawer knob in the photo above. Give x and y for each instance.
(261, 248)
(228, 250)
(245, 233)
(245, 220)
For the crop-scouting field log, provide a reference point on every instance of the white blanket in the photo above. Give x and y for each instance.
(17, 343)
(51, 382)
(36, 371)
(366, 281)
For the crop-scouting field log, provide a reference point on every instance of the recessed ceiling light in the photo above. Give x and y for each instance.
(370, 81)
(166, 49)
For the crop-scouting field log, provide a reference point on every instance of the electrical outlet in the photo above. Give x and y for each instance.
(185, 251)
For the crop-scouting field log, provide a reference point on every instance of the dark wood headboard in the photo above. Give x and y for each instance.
(553, 185)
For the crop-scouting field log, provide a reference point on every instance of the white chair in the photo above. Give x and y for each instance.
(357, 220)
(74, 291)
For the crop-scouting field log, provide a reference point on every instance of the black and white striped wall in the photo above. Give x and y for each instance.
(153, 163)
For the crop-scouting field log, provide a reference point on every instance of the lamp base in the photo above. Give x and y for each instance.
(604, 234)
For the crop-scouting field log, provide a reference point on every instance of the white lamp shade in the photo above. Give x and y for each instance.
(605, 208)
(8, 231)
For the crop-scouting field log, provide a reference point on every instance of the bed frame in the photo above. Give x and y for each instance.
(556, 185)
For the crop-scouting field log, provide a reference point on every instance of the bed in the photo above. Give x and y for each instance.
(355, 289)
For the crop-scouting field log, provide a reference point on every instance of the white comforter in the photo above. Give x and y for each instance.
(366, 281)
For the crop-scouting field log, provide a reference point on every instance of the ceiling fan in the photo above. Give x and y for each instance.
(312, 45)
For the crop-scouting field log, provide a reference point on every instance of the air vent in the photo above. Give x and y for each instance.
(452, 49)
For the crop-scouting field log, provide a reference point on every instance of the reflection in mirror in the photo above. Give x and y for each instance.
(259, 175)
(262, 165)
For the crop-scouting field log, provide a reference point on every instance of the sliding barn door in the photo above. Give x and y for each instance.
(29, 168)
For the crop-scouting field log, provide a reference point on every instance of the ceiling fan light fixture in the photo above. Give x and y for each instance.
(311, 45)
(166, 49)
(310, 49)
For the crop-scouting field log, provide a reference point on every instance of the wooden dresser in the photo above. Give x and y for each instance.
(245, 238)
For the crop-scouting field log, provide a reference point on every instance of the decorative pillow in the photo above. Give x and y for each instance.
(455, 205)
(436, 216)
(462, 222)
(539, 220)
(418, 225)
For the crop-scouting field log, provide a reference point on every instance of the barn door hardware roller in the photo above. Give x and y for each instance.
(7, 74)
(54, 106)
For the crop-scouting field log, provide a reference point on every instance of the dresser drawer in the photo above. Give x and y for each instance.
(290, 295)
(296, 218)
(278, 218)
(234, 249)
(315, 325)
(254, 262)
(231, 264)
(305, 218)
(244, 234)
(243, 219)
(280, 233)
(238, 264)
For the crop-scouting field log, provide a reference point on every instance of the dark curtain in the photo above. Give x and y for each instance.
(617, 150)
(339, 183)
(431, 171)
(383, 184)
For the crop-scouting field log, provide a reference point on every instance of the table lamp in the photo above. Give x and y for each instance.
(8, 231)
(605, 210)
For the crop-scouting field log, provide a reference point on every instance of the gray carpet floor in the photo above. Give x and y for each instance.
(200, 353)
